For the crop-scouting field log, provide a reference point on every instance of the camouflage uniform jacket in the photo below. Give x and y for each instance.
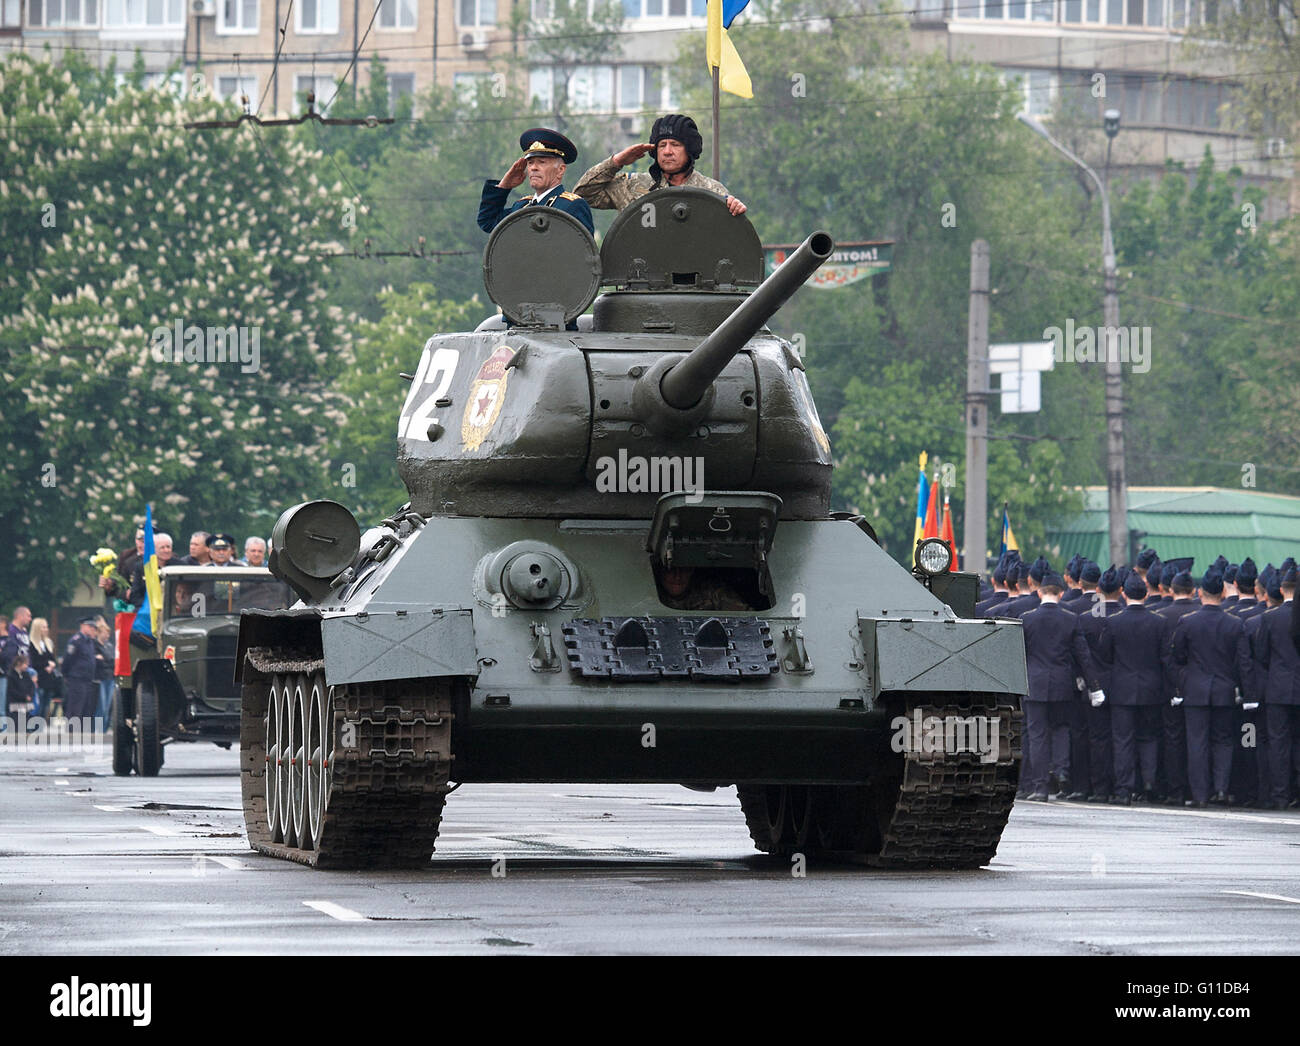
(604, 187)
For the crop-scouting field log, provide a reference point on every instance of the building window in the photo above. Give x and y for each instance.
(317, 16)
(466, 86)
(396, 14)
(142, 14)
(400, 85)
(1038, 87)
(639, 87)
(478, 12)
(11, 14)
(664, 8)
(591, 88)
(237, 17)
(229, 88)
(60, 14)
(325, 87)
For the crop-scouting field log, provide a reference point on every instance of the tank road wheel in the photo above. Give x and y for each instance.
(148, 747)
(767, 815)
(123, 751)
(362, 771)
(314, 773)
(273, 769)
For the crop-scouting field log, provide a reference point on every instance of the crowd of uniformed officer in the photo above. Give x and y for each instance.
(1147, 684)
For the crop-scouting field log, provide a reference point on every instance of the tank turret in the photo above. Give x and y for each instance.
(537, 407)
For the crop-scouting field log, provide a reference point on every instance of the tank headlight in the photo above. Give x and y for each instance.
(933, 556)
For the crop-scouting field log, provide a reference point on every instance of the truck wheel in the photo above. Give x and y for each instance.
(123, 751)
(148, 748)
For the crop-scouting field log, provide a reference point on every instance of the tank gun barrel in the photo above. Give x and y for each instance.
(684, 385)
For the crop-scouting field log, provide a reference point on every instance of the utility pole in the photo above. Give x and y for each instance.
(977, 416)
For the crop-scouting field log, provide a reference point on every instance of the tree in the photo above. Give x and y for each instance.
(562, 36)
(122, 230)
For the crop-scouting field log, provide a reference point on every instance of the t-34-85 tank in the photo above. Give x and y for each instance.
(618, 564)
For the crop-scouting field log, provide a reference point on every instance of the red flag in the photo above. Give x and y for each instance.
(122, 662)
(932, 512)
(946, 533)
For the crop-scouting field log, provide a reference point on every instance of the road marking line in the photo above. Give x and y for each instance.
(62, 782)
(336, 911)
(109, 809)
(62, 769)
(1265, 896)
(157, 829)
(229, 862)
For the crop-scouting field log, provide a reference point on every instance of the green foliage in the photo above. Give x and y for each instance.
(363, 451)
(116, 222)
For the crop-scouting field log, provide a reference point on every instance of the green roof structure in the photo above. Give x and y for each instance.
(1202, 522)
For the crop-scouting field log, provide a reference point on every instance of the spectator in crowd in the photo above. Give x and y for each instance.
(104, 666)
(21, 692)
(49, 684)
(162, 544)
(15, 641)
(255, 552)
(198, 556)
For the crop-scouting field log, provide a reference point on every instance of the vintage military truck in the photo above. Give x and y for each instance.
(618, 564)
(182, 683)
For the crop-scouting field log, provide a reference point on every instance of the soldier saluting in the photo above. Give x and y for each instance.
(546, 154)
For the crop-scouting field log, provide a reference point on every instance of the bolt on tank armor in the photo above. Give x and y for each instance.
(614, 526)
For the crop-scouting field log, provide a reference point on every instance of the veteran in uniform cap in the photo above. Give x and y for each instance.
(221, 550)
(78, 667)
(676, 144)
(546, 154)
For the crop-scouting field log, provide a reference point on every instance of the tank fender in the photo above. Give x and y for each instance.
(401, 644)
(944, 654)
(296, 630)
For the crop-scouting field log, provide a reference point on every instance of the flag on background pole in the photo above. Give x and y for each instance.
(922, 496)
(932, 510)
(946, 531)
(731, 8)
(719, 52)
(1009, 542)
(146, 618)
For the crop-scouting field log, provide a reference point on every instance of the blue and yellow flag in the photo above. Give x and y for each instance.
(922, 499)
(720, 53)
(1009, 542)
(146, 618)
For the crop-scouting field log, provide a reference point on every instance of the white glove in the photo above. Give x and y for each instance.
(1175, 701)
(1079, 683)
(1096, 697)
(1250, 706)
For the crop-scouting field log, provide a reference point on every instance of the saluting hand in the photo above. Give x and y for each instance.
(632, 153)
(514, 176)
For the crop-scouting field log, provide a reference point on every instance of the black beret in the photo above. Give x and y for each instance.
(1183, 582)
(1230, 573)
(1274, 587)
(1167, 573)
(1183, 563)
(1000, 573)
(1212, 582)
(1013, 572)
(1090, 572)
(1072, 567)
(1109, 581)
(1220, 564)
(1039, 569)
(1152, 574)
(682, 128)
(1134, 587)
(542, 141)
(1052, 580)
(1287, 564)
(1146, 557)
(1288, 575)
(1247, 572)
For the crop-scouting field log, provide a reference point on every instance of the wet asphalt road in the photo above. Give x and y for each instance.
(100, 865)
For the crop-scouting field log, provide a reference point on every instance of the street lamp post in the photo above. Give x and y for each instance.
(1116, 482)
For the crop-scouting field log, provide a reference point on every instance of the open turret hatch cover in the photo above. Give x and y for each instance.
(681, 238)
(541, 266)
(725, 528)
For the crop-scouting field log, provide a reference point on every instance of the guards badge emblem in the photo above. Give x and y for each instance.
(487, 394)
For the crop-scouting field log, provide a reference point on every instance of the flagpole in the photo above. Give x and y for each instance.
(717, 165)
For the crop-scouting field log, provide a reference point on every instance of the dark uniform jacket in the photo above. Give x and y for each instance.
(1242, 606)
(1170, 616)
(1056, 654)
(1213, 656)
(983, 607)
(492, 207)
(1131, 648)
(79, 660)
(1275, 652)
(1019, 606)
(1071, 594)
(1093, 625)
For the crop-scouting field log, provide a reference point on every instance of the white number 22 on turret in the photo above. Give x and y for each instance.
(437, 368)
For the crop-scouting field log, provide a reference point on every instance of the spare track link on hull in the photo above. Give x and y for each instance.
(383, 754)
(946, 811)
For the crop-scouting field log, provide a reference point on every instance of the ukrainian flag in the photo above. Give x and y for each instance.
(1009, 542)
(922, 498)
(146, 618)
(721, 55)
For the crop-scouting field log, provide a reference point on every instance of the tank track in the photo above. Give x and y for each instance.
(388, 787)
(942, 811)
